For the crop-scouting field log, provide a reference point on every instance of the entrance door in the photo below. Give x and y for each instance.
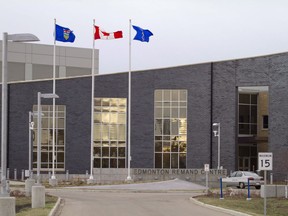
(244, 163)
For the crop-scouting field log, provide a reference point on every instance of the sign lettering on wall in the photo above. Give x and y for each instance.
(178, 172)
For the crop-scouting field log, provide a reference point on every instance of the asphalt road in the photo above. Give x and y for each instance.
(123, 203)
(148, 199)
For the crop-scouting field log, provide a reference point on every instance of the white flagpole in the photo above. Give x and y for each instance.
(54, 92)
(129, 106)
(92, 105)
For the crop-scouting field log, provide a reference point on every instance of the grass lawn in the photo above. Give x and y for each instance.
(23, 206)
(255, 206)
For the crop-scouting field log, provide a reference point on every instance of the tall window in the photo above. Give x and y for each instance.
(109, 132)
(248, 114)
(47, 135)
(265, 122)
(170, 128)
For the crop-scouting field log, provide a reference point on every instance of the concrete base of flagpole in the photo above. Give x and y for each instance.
(91, 180)
(129, 179)
(28, 186)
(7, 206)
(53, 182)
(38, 197)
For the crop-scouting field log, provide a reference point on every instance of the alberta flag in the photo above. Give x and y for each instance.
(142, 34)
(64, 34)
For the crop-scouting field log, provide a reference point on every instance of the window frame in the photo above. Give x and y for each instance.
(46, 135)
(264, 127)
(173, 106)
(109, 151)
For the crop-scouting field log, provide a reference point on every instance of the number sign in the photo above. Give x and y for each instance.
(265, 160)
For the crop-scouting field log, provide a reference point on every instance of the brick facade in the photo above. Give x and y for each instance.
(208, 85)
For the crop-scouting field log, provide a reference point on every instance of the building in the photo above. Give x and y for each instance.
(28, 61)
(172, 113)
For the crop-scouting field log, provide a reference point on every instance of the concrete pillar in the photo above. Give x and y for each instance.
(22, 175)
(38, 196)
(28, 186)
(15, 174)
(67, 175)
(8, 174)
(7, 206)
(8, 186)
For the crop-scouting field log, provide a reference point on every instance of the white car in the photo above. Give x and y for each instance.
(240, 179)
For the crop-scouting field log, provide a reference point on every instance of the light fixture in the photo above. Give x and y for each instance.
(26, 37)
(216, 131)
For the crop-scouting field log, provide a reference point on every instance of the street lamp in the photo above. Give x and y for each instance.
(39, 130)
(14, 38)
(31, 128)
(216, 131)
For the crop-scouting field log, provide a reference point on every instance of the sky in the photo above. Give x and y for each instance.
(184, 31)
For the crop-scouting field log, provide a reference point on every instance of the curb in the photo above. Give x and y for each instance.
(132, 190)
(55, 208)
(232, 212)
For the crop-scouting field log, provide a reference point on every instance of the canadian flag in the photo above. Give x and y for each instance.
(99, 34)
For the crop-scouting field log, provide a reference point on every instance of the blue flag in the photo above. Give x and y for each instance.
(142, 34)
(64, 34)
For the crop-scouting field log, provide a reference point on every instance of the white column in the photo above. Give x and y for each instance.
(28, 71)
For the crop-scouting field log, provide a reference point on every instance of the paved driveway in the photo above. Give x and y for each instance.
(167, 198)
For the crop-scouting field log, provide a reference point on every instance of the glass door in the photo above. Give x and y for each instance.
(244, 163)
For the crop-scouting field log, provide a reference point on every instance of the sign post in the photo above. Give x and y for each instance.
(265, 162)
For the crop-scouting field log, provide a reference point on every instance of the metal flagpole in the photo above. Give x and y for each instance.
(92, 105)
(129, 105)
(54, 92)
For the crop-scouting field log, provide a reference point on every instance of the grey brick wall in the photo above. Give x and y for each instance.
(20, 101)
(75, 93)
(196, 80)
(278, 118)
(224, 111)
